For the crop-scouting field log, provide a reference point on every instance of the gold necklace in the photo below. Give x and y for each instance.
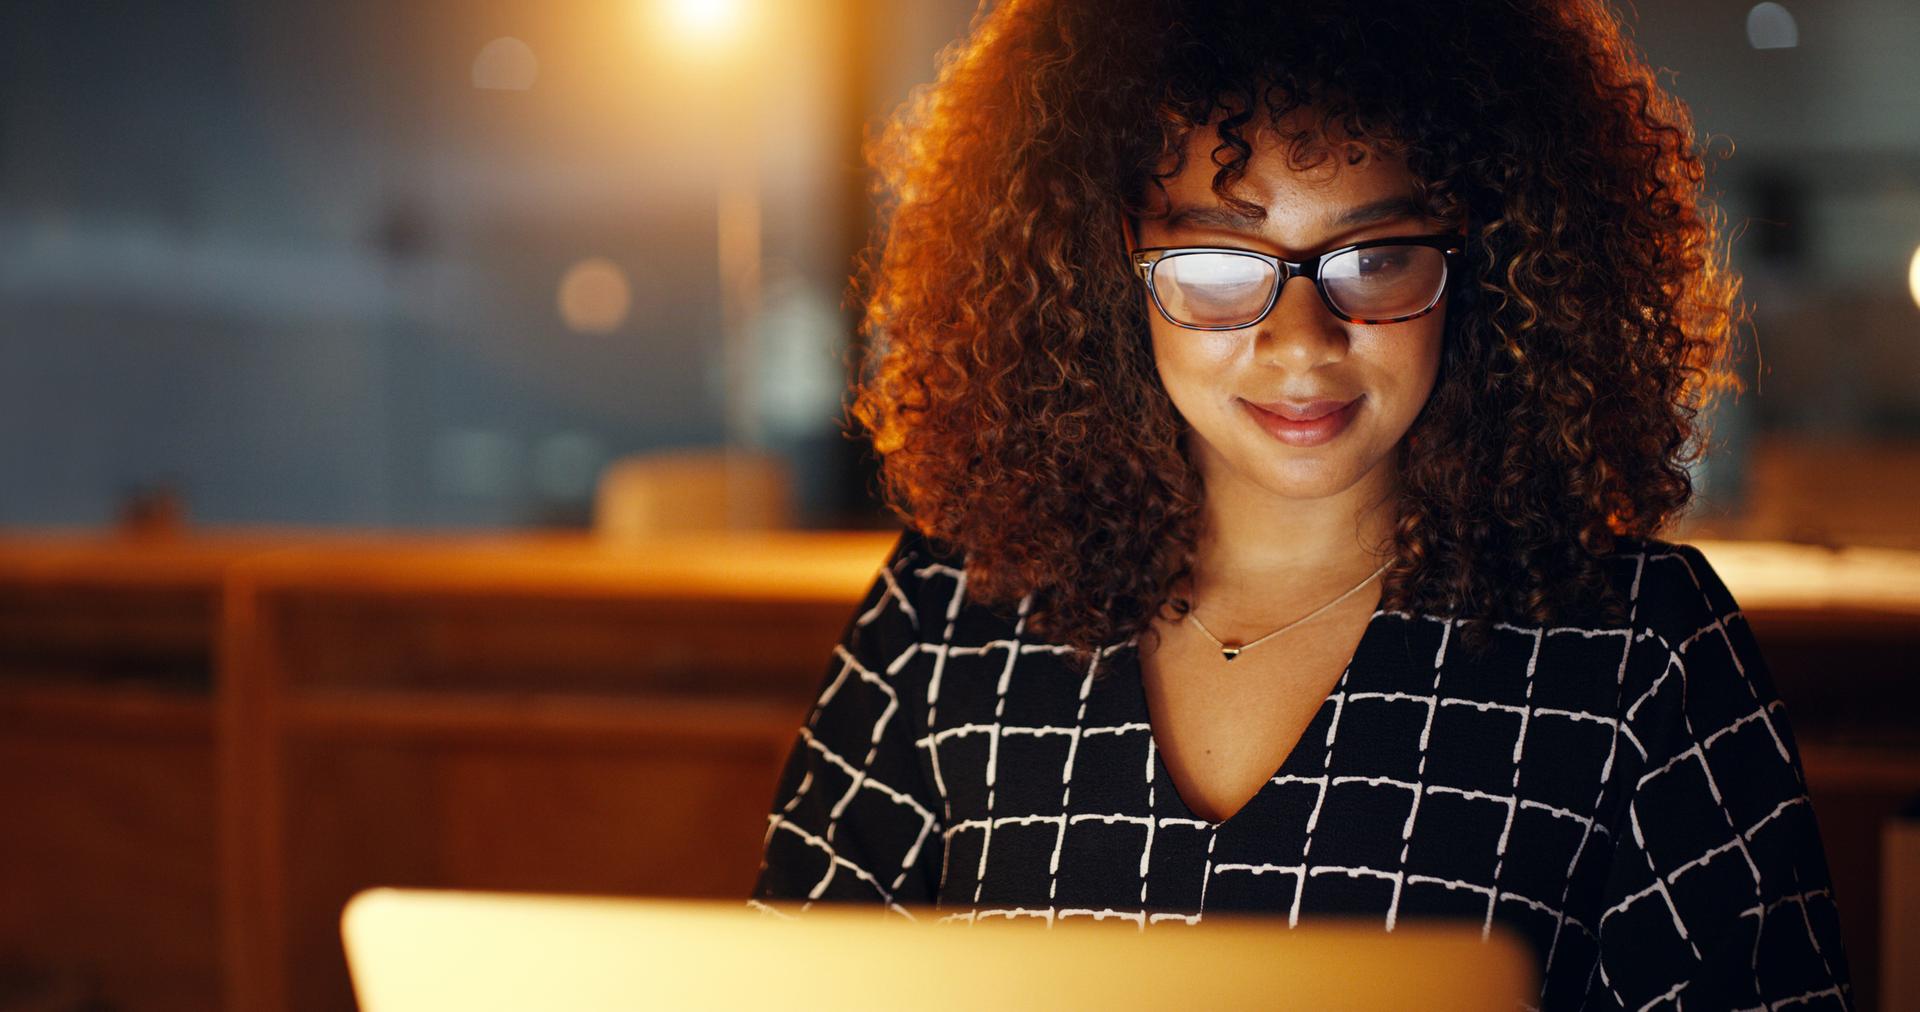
(1230, 651)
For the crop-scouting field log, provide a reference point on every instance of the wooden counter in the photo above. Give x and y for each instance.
(210, 743)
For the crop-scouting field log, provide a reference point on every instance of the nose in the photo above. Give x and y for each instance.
(1299, 331)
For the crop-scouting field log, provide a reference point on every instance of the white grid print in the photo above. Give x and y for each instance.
(1629, 799)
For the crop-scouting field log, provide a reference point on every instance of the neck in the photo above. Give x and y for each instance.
(1252, 541)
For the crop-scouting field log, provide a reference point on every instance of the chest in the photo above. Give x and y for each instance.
(1419, 776)
(1224, 728)
(1014, 733)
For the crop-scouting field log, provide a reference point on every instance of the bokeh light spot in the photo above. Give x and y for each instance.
(594, 296)
(505, 64)
(1771, 26)
(1913, 276)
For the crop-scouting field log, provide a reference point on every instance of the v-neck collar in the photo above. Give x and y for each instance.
(1134, 681)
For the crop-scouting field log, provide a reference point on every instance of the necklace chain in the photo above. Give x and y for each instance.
(1230, 651)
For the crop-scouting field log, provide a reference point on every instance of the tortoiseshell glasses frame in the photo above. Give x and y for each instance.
(1147, 260)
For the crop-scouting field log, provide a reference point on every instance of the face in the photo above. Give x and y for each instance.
(1236, 388)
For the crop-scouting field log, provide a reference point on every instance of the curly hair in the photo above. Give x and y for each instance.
(1008, 380)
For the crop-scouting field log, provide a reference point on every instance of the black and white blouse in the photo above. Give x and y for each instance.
(1630, 799)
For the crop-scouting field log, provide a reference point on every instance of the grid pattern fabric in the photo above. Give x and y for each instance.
(1629, 799)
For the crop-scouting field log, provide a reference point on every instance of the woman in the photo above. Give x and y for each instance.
(1283, 401)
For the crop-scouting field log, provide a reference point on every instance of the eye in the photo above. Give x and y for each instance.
(1382, 261)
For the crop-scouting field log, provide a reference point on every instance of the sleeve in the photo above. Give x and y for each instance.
(853, 818)
(1718, 894)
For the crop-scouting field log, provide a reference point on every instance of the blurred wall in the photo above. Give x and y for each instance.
(292, 262)
(1817, 166)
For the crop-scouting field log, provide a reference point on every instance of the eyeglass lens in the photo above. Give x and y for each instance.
(1225, 290)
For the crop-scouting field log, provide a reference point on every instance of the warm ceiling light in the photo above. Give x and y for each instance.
(708, 20)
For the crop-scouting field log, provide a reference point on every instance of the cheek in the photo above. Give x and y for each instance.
(1407, 358)
(1192, 361)
(1419, 363)
(1427, 361)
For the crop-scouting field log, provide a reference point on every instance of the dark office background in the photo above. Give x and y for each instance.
(435, 264)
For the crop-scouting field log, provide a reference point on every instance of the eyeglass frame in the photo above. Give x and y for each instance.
(1449, 244)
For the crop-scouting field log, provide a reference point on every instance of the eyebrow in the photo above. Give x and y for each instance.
(1387, 209)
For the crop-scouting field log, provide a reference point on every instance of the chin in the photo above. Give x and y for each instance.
(1304, 479)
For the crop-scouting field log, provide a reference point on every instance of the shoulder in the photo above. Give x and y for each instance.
(1672, 589)
(920, 594)
(927, 563)
(1687, 645)
(923, 575)
(1700, 674)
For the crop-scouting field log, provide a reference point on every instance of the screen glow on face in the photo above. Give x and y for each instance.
(1334, 291)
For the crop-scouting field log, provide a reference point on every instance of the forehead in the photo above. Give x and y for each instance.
(1298, 174)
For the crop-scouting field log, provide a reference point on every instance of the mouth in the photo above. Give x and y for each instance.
(1303, 411)
(1304, 424)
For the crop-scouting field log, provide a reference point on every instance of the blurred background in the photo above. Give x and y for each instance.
(434, 264)
(419, 443)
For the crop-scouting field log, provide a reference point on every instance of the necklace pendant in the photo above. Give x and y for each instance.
(1229, 653)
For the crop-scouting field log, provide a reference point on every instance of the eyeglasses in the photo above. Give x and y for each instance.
(1222, 288)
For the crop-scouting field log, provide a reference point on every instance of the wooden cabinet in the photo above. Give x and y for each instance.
(207, 745)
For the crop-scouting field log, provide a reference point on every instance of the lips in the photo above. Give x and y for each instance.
(1333, 418)
(1303, 411)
